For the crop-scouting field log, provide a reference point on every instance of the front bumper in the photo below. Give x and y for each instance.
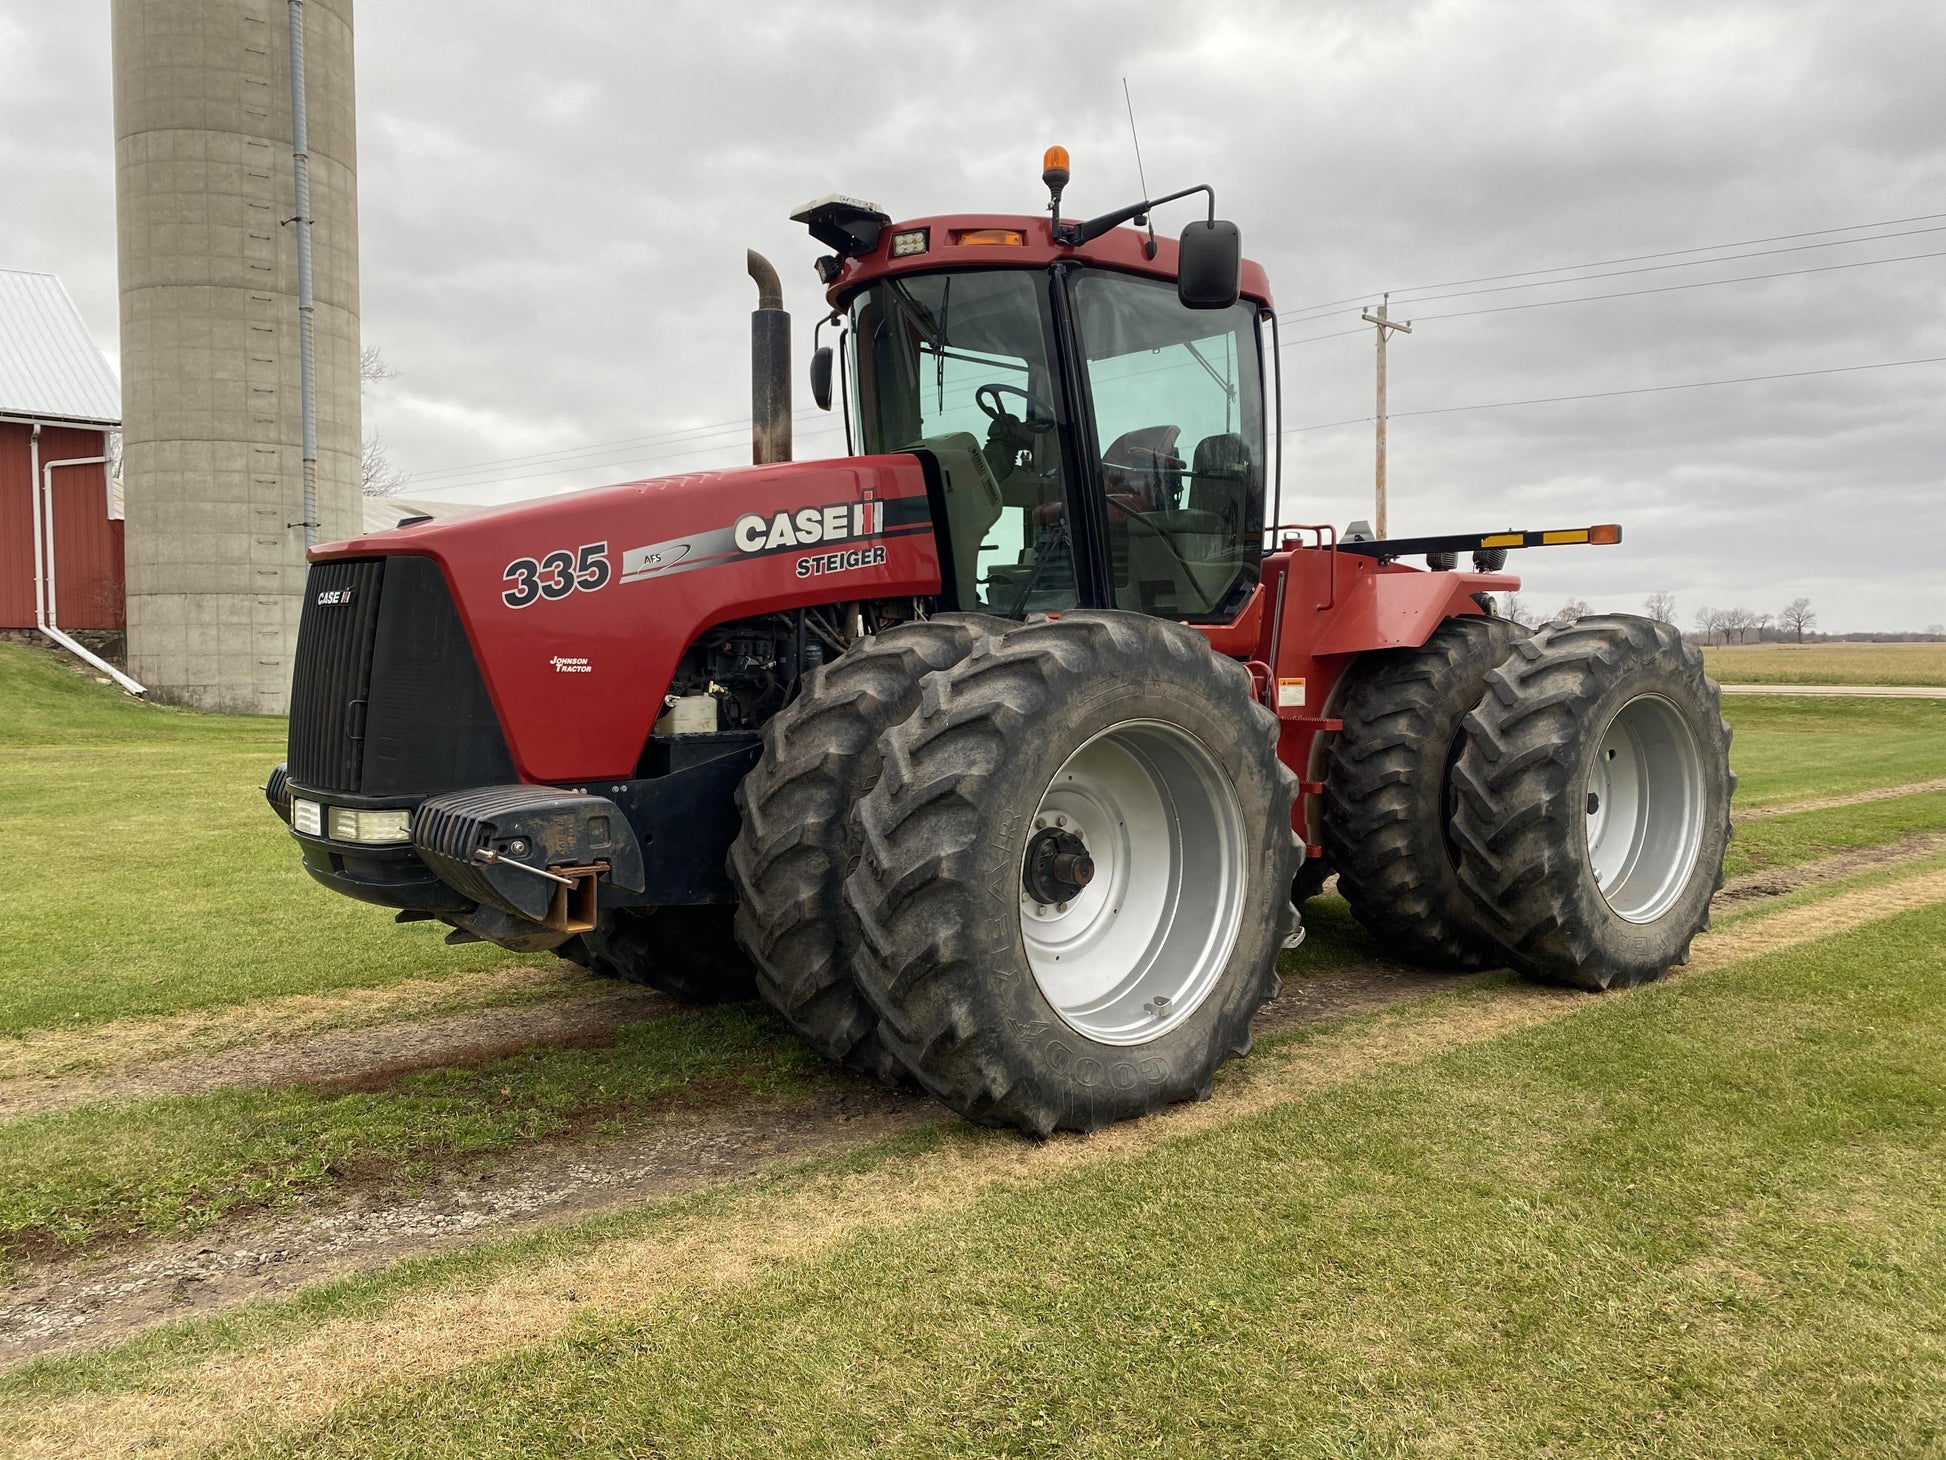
(657, 840)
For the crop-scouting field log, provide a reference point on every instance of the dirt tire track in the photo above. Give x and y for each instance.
(1774, 882)
(1832, 803)
(57, 1305)
(296, 1381)
(124, 1044)
(378, 1053)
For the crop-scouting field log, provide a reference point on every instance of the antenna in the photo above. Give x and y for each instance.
(1148, 248)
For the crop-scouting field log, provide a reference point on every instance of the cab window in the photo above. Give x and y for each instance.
(956, 365)
(1179, 420)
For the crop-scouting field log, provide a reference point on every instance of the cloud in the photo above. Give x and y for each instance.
(555, 203)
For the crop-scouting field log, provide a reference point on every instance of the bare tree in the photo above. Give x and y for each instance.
(1761, 623)
(1513, 607)
(372, 369)
(1797, 617)
(1709, 623)
(1736, 621)
(1661, 607)
(1569, 612)
(376, 474)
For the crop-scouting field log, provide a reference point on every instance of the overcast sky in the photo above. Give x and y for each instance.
(556, 200)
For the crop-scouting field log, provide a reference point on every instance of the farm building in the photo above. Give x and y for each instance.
(60, 530)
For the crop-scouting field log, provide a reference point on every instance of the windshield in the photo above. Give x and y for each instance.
(957, 365)
(1179, 418)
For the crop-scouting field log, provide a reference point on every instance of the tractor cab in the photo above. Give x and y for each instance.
(1093, 437)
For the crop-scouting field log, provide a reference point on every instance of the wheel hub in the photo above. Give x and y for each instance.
(1057, 867)
(1644, 801)
(1133, 882)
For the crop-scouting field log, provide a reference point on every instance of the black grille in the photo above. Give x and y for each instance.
(431, 726)
(332, 680)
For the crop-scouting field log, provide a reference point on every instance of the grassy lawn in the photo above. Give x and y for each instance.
(1827, 663)
(148, 877)
(204, 904)
(145, 874)
(1707, 1219)
(1788, 749)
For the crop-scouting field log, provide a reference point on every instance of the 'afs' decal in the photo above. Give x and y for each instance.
(556, 575)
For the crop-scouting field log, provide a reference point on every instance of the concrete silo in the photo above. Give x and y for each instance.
(213, 466)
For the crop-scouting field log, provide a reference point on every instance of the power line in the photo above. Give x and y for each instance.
(1549, 400)
(1627, 259)
(1676, 288)
(1633, 293)
(1692, 264)
(625, 463)
(625, 443)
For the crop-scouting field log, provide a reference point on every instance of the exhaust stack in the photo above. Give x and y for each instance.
(770, 367)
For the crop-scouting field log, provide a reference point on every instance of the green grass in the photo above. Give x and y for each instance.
(145, 874)
(1708, 1219)
(1787, 749)
(1798, 837)
(1860, 664)
(184, 1162)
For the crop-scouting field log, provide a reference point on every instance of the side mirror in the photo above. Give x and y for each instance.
(1210, 265)
(821, 377)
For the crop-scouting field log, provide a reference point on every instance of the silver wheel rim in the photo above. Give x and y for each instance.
(1136, 951)
(1645, 809)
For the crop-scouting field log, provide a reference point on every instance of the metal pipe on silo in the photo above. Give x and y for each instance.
(306, 306)
(770, 366)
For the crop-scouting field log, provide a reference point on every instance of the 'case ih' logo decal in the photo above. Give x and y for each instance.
(334, 597)
(808, 526)
(760, 534)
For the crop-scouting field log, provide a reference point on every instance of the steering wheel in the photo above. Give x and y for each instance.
(1039, 415)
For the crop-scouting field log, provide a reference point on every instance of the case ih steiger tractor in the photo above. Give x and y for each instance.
(998, 755)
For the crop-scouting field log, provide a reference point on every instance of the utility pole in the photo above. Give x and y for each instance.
(1385, 327)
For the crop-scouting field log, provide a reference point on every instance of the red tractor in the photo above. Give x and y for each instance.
(998, 755)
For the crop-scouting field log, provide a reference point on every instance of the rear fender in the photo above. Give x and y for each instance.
(1391, 606)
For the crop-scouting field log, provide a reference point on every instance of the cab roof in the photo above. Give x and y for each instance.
(947, 246)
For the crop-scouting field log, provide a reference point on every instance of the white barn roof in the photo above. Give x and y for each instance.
(50, 367)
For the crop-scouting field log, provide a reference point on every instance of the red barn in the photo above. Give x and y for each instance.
(58, 402)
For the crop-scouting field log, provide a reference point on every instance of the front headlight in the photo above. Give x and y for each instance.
(370, 827)
(307, 817)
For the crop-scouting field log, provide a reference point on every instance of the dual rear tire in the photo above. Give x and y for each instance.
(1556, 802)
(1063, 878)
(1593, 805)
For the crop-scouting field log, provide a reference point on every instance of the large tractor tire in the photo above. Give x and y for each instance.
(687, 953)
(790, 859)
(1077, 873)
(1594, 801)
(1388, 796)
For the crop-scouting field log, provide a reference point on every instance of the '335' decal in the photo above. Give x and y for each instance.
(556, 575)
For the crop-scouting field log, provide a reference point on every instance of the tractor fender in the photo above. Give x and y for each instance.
(1387, 606)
